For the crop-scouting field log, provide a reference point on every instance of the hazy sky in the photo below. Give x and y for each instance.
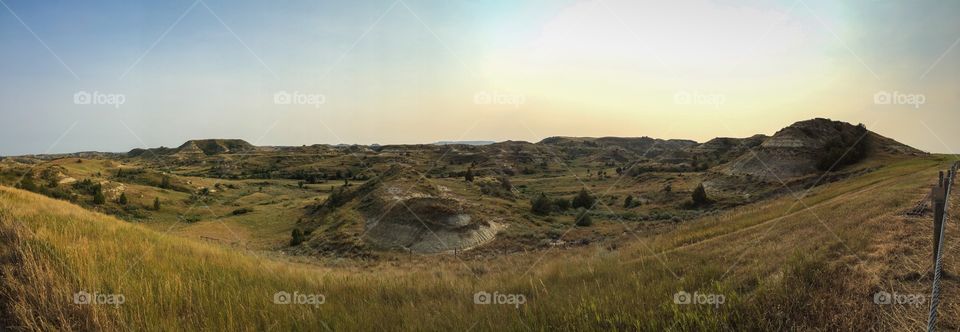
(115, 75)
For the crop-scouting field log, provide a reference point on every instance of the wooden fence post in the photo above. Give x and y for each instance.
(939, 202)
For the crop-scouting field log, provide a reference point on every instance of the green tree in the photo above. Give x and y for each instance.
(156, 204)
(469, 175)
(296, 237)
(583, 218)
(583, 200)
(700, 196)
(98, 198)
(541, 205)
(628, 202)
(165, 182)
(27, 183)
(123, 199)
(562, 204)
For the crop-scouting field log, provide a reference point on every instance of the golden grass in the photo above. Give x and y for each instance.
(807, 270)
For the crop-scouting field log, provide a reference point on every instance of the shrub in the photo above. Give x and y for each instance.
(337, 198)
(700, 196)
(241, 211)
(156, 204)
(505, 183)
(628, 202)
(846, 149)
(98, 198)
(123, 199)
(562, 204)
(28, 184)
(583, 218)
(583, 200)
(296, 237)
(469, 175)
(541, 205)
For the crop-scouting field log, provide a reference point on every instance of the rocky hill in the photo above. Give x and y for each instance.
(201, 147)
(810, 146)
(397, 210)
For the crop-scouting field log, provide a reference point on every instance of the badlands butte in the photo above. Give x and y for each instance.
(354, 201)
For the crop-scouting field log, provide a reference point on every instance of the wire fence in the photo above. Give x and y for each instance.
(940, 196)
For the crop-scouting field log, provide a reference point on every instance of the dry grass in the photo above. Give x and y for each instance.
(811, 269)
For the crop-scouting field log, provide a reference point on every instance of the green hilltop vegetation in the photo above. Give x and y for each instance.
(595, 233)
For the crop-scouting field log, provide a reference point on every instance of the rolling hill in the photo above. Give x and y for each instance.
(777, 263)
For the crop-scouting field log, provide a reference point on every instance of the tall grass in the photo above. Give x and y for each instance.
(794, 274)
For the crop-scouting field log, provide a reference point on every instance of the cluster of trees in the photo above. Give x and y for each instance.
(543, 205)
(845, 149)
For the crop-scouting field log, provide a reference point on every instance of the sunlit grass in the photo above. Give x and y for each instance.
(789, 272)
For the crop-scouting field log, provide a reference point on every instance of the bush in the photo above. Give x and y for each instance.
(583, 200)
(628, 202)
(583, 218)
(700, 196)
(296, 237)
(241, 211)
(98, 198)
(27, 183)
(156, 204)
(846, 149)
(541, 205)
(337, 198)
(562, 204)
(123, 199)
(505, 183)
(86, 186)
(469, 175)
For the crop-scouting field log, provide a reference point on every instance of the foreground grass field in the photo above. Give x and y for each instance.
(778, 264)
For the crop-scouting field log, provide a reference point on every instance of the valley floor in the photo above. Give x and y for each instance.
(814, 263)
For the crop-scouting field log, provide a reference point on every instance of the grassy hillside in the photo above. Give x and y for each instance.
(812, 265)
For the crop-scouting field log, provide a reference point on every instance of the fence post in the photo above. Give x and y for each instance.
(939, 202)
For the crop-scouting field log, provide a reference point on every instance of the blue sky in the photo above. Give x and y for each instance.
(421, 71)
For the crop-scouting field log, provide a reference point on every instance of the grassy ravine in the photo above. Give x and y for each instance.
(786, 273)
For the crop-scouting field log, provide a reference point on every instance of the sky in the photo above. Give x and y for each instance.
(116, 75)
